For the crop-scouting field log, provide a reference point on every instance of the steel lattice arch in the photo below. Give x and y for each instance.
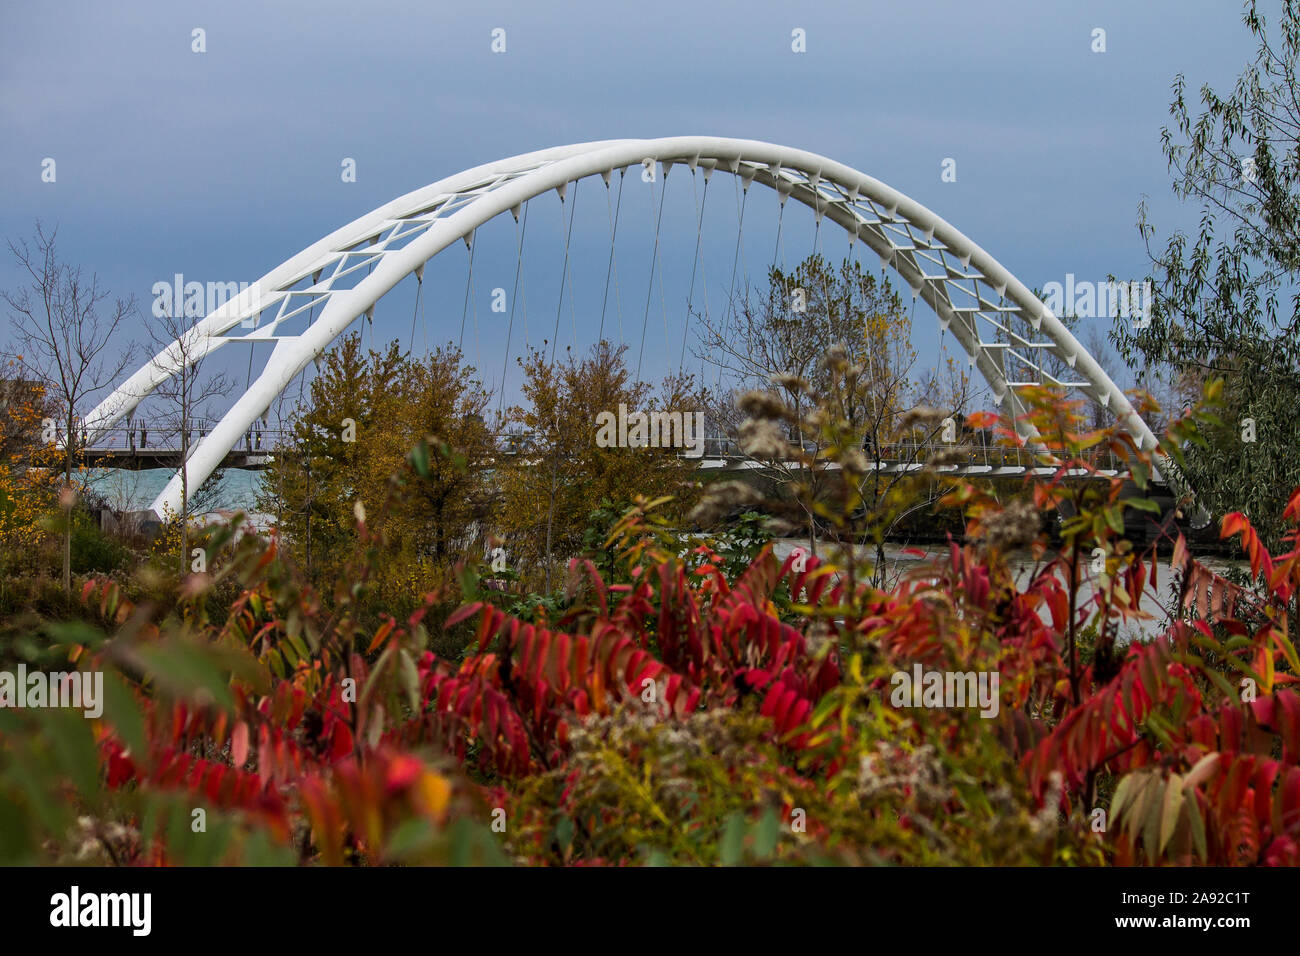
(971, 293)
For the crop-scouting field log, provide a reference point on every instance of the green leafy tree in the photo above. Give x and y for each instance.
(1224, 305)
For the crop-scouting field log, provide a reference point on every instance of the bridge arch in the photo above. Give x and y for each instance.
(957, 279)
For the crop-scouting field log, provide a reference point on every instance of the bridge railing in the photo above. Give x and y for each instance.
(151, 438)
(148, 439)
(895, 454)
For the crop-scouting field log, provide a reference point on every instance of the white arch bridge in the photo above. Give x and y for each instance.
(305, 303)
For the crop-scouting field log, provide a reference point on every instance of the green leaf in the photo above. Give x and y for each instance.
(1197, 822)
(17, 836)
(420, 459)
(564, 833)
(1160, 728)
(1221, 682)
(1172, 808)
(1151, 825)
(409, 677)
(825, 707)
(733, 837)
(372, 682)
(1288, 650)
(122, 713)
(766, 834)
(1123, 792)
(183, 668)
(260, 851)
(299, 645)
(68, 633)
(1137, 805)
(74, 746)
(1143, 504)
(34, 776)
(207, 849)
(412, 838)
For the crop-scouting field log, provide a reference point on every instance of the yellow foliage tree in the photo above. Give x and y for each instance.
(28, 479)
(560, 473)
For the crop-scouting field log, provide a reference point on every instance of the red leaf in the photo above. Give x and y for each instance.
(239, 744)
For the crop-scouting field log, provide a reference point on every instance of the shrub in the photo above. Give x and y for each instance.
(668, 711)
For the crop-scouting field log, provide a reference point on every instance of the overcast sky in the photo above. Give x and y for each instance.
(221, 165)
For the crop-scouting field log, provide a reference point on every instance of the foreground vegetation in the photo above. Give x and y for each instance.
(679, 705)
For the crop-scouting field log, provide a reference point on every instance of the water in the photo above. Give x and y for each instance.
(127, 490)
(1023, 566)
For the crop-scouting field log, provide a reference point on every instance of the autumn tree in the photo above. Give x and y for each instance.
(70, 340)
(337, 441)
(560, 473)
(819, 335)
(444, 514)
(26, 487)
(364, 414)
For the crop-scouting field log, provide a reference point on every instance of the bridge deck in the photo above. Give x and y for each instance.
(140, 446)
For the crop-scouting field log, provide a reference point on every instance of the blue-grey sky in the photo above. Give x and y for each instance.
(220, 165)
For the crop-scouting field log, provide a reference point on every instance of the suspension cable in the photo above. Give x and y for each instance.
(848, 293)
(514, 293)
(478, 363)
(614, 211)
(523, 282)
(568, 234)
(469, 278)
(663, 299)
(704, 273)
(573, 299)
(370, 267)
(415, 313)
(780, 218)
(690, 295)
(302, 379)
(650, 282)
(742, 199)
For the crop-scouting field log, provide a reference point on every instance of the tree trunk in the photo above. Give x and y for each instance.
(69, 452)
(550, 521)
(185, 489)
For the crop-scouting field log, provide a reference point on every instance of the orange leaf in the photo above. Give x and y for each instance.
(380, 635)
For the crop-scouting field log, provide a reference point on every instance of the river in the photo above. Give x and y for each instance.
(126, 490)
(1024, 566)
